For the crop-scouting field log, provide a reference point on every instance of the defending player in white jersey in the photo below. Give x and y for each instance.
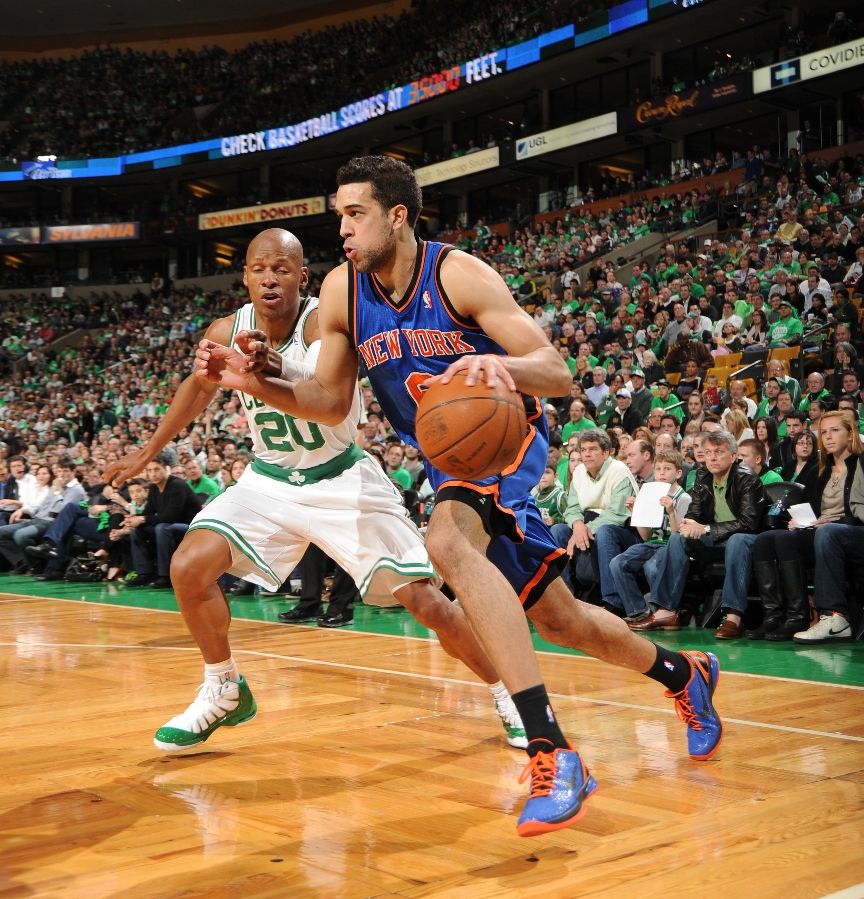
(308, 483)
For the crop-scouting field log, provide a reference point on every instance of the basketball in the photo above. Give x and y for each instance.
(470, 432)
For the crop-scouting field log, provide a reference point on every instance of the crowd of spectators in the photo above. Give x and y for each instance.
(109, 101)
(650, 393)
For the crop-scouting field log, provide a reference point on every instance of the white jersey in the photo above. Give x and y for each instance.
(280, 439)
(312, 484)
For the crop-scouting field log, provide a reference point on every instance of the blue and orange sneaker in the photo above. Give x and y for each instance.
(694, 707)
(560, 783)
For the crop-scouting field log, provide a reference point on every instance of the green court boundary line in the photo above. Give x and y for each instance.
(355, 630)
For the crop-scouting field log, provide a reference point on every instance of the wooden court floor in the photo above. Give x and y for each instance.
(376, 768)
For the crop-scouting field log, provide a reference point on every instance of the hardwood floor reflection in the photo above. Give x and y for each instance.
(377, 767)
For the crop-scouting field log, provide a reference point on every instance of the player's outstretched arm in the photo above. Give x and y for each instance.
(532, 365)
(325, 398)
(192, 398)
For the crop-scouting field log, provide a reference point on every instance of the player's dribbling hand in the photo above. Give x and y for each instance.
(490, 369)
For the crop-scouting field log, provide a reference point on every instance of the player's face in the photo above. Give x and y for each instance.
(274, 276)
(368, 231)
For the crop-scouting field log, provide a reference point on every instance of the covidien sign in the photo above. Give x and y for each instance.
(813, 65)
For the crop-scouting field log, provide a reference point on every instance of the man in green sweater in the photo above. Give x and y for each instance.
(578, 422)
(752, 454)
(203, 486)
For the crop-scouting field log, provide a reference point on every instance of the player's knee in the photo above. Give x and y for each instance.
(435, 545)
(446, 552)
(557, 615)
(192, 567)
(183, 563)
(428, 605)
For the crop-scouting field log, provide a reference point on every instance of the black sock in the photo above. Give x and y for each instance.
(672, 669)
(538, 719)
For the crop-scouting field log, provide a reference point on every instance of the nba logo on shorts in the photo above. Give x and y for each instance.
(785, 73)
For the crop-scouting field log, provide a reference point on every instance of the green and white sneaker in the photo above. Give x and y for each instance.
(229, 703)
(513, 727)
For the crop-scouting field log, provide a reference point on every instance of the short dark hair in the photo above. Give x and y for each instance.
(798, 415)
(393, 182)
(755, 445)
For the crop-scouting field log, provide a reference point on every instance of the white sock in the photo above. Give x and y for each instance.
(219, 672)
(498, 691)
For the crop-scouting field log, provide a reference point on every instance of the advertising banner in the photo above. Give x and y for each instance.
(14, 237)
(568, 136)
(811, 65)
(81, 233)
(456, 168)
(682, 103)
(266, 212)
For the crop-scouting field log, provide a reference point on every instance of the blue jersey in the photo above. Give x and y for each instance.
(402, 344)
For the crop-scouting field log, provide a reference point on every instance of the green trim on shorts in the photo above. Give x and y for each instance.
(303, 477)
(416, 570)
(233, 536)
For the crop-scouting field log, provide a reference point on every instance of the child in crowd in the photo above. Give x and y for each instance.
(550, 497)
(643, 557)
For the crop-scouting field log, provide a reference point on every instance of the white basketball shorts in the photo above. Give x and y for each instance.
(356, 517)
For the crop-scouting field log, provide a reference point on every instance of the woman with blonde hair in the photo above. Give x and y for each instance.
(738, 425)
(779, 557)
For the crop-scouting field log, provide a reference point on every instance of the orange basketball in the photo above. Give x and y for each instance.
(470, 432)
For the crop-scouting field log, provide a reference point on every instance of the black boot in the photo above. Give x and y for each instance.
(768, 578)
(792, 581)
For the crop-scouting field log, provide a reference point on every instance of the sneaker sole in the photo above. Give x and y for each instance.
(802, 642)
(708, 755)
(518, 742)
(538, 828)
(174, 749)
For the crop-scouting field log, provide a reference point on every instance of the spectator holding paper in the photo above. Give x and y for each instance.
(780, 557)
(672, 506)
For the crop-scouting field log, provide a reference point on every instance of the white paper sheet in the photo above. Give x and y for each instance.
(803, 515)
(647, 511)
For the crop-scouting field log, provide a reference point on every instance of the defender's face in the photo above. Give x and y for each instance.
(274, 278)
(368, 231)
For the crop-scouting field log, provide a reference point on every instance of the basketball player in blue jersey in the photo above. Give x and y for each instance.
(307, 483)
(416, 310)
